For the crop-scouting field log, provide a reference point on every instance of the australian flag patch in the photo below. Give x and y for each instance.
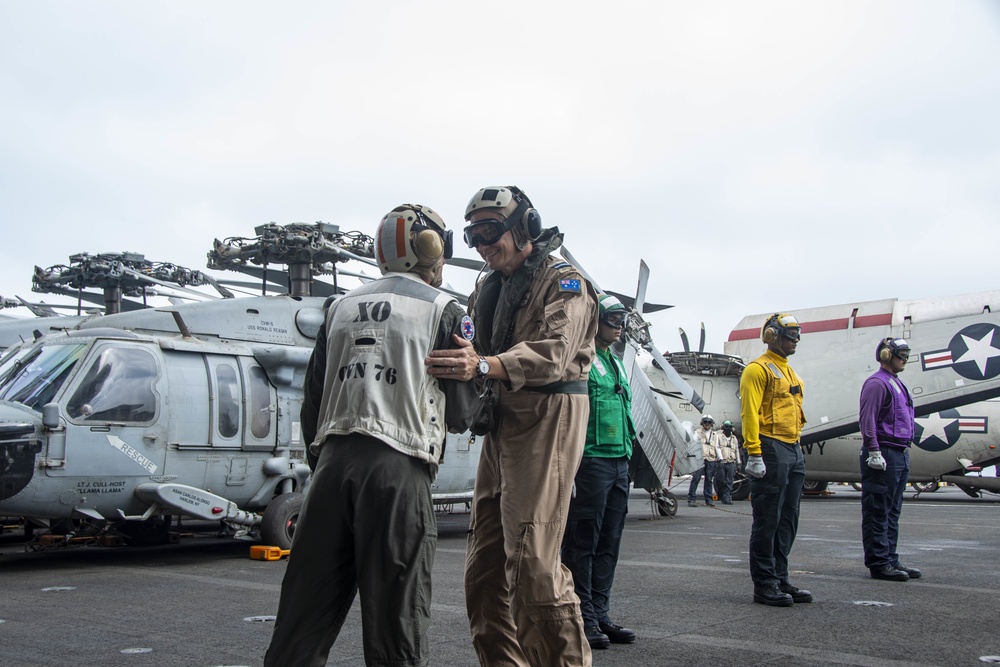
(468, 328)
(570, 285)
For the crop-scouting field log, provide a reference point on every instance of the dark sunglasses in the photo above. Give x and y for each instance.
(485, 232)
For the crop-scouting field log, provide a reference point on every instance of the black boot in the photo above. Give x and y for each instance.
(770, 594)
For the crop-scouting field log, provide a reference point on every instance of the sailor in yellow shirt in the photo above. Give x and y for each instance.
(771, 412)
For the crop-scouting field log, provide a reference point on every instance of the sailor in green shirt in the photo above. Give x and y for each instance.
(598, 508)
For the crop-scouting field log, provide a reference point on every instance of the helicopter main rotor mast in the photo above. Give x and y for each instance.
(308, 250)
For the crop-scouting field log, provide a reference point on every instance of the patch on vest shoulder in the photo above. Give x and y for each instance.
(561, 265)
(570, 285)
(468, 328)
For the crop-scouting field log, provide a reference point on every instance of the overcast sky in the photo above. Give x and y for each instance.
(759, 156)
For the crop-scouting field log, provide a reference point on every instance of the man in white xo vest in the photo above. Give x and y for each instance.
(377, 423)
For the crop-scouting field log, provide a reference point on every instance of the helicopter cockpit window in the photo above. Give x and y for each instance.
(260, 403)
(33, 379)
(118, 386)
(229, 407)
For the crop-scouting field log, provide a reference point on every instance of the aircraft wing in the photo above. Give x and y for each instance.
(923, 405)
(666, 443)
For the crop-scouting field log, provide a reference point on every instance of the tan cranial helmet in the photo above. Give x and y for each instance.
(411, 237)
(512, 206)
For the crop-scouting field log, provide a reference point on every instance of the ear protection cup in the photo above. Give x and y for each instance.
(531, 223)
(530, 220)
(885, 349)
(428, 246)
(770, 333)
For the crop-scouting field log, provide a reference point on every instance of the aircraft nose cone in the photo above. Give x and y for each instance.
(19, 445)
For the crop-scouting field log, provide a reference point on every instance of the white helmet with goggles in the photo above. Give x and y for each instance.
(411, 237)
(610, 311)
(888, 348)
(707, 419)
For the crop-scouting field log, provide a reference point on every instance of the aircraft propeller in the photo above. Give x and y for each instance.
(684, 339)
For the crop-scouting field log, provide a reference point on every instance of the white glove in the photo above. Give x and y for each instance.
(755, 466)
(875, 460)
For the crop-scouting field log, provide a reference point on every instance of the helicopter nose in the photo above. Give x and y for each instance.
(19, 445)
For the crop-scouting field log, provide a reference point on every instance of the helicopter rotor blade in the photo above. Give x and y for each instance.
(701, 341)
(685, 390)
(156, 281)
(684, 340)
(641, 333)
(629, 302)
(38, 309)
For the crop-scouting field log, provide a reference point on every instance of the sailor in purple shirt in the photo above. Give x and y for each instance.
(886, 420)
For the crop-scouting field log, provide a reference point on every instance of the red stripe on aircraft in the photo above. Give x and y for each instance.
(883, 319)
(824, 325)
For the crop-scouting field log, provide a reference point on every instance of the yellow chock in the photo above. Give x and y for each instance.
(268, 553)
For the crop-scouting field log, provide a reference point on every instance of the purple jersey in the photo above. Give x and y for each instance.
(886, 415)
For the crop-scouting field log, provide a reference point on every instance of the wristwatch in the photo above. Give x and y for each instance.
(483, 367)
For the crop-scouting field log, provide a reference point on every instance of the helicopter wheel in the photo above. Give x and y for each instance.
(75, 527)
(666, 502)
(280, 518)
(149, 533)
(926, 487)
(741, 487)
(810, 486)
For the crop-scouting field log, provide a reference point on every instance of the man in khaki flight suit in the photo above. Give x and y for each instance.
(536, 318)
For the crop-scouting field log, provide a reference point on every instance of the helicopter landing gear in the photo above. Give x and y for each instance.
(280, 519)
(664, 501)
(149, 533)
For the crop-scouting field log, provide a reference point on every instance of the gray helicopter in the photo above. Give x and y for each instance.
(118, 422)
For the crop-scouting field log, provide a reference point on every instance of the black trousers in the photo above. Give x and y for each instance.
(775, 500)
(594, 533)
(881, 504)
(368, 527)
